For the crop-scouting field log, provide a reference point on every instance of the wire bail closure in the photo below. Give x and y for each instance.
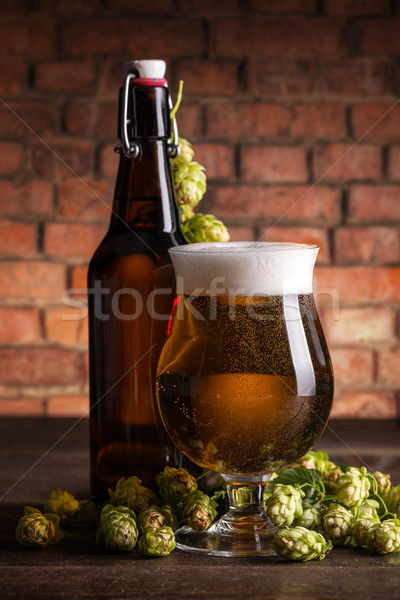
(131, 148)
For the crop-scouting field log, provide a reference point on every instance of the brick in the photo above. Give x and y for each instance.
(251, 121)
(241, 234)
(356, 76)
(19, 325)
(388, 366)
(374, 203)
(72, 239)
(55, 76)
(205, 77)
(218, 159)
(359, 325)
(68, 406)
(21, 407)
(41, 366)
(277, 203)
(28, 38)
(17, 239)
(277, 6)
(376, 120)
(85, 199)
(352, 366)
(11, 158)
(381, 36)
(347, 162)
(190, 121)
(367, 245)
(67, 325)
(62, 159)
(78, 277)
(93, 120)
(357, 7)
(260, 36)
(210, 7)
(31, 280)
(273, 164)
(282, 76)
(111, 78)
(68, 9)
(13, 76)
(175, 37)
(359, 284)
(300, 235)
(158, 7)
(109, 161)
(365, 405)
(394, 163)
(31, 198)
(21, 118)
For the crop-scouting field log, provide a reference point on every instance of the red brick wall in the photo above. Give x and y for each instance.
(293, 107)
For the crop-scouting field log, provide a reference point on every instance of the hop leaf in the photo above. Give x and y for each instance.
(63, 504)
(285, 504)
(338, 524)
(175, 485)
(298, 543)
(159, 542)
(131, 493)
(198, 510)
(205, 228)
(36, 530)
(384, 537)
(189, 182)
(353, 486)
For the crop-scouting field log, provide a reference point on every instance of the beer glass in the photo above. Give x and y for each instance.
(244, 381)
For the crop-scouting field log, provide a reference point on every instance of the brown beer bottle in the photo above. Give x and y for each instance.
(131, 290)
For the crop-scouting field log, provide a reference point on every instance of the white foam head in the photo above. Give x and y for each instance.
(244, 268)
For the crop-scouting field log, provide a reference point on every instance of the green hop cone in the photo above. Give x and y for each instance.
(131, 493)
(338, 524)
(361, 528)
(205, 228)
(353, 486)
(383, 482)
(384, 537)
(242, 497)
(298, 543)
(175, 485)
(392, 500)
(284, 505)
(171, 518)
(150, 518)
(63, 504)
(36, 530)
(198, 510)
(159, 542)
(185, 213)
(186, 153)
(189, 182)
(118, 530)
(368, 507)
(310, 519)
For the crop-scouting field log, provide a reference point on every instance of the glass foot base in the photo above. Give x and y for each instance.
(229, 539)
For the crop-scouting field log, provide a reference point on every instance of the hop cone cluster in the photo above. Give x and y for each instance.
(384, 537)
(338, 524)
(175, 485)
(299, 543)
(353, 486)
(36, 530)
(204, 228)
(158, 542)
(284, 505)
(198, 510)
(131, 493)
(63, 504)
(118, 530)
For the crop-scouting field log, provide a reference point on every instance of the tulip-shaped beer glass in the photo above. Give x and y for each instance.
(244, 381)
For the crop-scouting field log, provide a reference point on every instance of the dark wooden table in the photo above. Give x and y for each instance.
(40, 455)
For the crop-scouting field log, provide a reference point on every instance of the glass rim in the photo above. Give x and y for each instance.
(269, 247)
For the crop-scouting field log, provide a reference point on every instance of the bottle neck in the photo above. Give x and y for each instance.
(144, 194)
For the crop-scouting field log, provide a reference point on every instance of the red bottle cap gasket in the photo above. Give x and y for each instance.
(150, 81)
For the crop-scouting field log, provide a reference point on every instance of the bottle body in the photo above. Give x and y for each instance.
(131, 293)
